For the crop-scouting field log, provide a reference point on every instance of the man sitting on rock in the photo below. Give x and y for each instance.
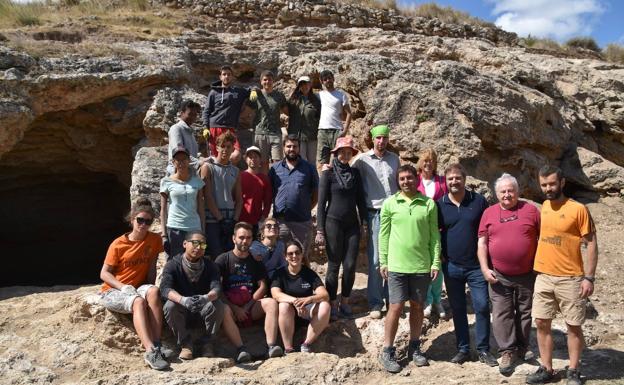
(245, 288)
(191, 286)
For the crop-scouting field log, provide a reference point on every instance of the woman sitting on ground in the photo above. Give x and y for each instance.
(302, 299)
(269, 249)
(129, 273)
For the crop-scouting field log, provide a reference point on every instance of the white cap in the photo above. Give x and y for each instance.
(303, 79)
(253, 148)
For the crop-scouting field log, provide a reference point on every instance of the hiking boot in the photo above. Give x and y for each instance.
(541, 376)
(275, 351)
(440, 309)
(154, 359)
(505, 366)
(375, 314)
(388, 360)
(573, 376)
(487, 358)
(427, 311)
(186, 353)
(305, 348)
(417, 356)
(460, 357)
(166, 353)
(242, 355)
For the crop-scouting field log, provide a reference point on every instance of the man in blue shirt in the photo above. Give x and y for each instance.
(459, 216)
(295, 192)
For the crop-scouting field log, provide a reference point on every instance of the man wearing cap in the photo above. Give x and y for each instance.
(334, 105)
(181, 135)
(304, 111)
(295, 191)
(256, 189)
(222, 112)
(377, 168)
(268, 104)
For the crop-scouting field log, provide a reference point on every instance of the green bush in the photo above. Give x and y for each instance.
(584, 42)
(614, 53)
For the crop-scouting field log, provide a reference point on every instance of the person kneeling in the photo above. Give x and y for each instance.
(191, 285)
(301, 296)
(245, 288)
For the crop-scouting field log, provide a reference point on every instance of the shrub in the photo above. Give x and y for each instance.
(614, 53)
(20, 14)
(445, 14)
(584, 42)
(540, 43)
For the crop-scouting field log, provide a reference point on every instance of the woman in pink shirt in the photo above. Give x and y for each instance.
(433, 186)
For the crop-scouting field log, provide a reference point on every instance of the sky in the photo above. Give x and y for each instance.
(555, 19)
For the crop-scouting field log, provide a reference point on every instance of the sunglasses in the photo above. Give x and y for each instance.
(298, 252)
(508, 219)
(271, 226)
(200, 244)
(144, 221)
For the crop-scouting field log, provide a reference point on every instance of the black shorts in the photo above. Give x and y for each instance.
(408, 287)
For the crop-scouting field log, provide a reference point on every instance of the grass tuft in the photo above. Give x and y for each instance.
(614, 53)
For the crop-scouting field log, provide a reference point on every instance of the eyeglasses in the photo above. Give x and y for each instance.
(197, 243)
(271, 226)
(144, 221)
(508, 219)
(298, 252)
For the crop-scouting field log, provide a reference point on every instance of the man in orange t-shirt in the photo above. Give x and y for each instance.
(562, 284)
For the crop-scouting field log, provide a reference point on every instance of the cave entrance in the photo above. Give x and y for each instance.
(56, 228)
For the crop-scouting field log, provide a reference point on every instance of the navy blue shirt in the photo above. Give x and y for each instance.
(273, 259)
(292, 190)
(459, 226)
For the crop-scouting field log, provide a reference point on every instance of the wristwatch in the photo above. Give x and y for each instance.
(590, 279)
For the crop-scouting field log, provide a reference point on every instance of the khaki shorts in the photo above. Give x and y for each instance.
(270, 146)
(554, 294)
(115, 300)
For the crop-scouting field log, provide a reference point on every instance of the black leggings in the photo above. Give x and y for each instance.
(343, 241)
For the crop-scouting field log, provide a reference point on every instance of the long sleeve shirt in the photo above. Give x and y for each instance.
(409, 237)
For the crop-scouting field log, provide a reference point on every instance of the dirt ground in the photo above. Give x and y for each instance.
(58, 336)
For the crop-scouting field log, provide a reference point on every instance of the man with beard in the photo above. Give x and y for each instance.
(190, 285)
(377, 168)
(562, 284)
(245, 288)
(508, 235)
(295, 192)
(409, 258)
(459, 215)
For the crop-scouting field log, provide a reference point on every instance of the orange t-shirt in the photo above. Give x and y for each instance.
(131, 260)
(559, 247)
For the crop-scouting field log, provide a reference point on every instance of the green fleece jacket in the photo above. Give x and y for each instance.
(409, 236)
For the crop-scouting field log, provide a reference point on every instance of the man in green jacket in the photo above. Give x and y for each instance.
(409, 259)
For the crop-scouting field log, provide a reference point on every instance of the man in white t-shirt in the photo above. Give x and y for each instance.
(334, 106)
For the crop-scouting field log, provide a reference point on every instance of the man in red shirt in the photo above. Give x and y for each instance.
(257, 191)
(508, 235)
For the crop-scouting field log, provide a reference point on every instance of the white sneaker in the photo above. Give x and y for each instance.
(440, 310)
(427, 311)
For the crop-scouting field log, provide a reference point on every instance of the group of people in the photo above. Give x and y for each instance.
(422, 229)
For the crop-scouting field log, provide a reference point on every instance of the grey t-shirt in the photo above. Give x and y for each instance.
(378, 175)
(181, 135)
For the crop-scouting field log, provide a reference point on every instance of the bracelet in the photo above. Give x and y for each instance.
(590, 279)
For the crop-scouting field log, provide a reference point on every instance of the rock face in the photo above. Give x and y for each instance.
(469, 92)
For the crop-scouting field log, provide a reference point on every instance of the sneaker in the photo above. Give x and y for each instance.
(186, 353)
(487, 358)
(505, 367)
(460, 357)
(541, 376)
(154, 359)
(275, 351)
(375, 314)
(306, 348)
(345, 310)
(573, 376)
(242, 355)
(427, 311)
(417, 356)
(440, 309)
(166, 353)
(388, 360)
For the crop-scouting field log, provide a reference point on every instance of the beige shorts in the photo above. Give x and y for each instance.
(554, 294)
(270, 146)
(115, 300)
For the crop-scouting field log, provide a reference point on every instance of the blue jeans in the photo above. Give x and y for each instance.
(456, 278)
(377, 288)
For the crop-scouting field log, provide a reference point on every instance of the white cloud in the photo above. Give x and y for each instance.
(557, 19)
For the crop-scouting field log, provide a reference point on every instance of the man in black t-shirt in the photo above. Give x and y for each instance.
(245, 287)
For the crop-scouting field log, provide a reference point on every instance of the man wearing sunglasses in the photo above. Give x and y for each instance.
(191, 285)
(508, 235)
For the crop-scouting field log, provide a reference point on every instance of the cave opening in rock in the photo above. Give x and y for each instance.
(56, 228)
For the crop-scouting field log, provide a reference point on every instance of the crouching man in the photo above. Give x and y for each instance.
(191, 286)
